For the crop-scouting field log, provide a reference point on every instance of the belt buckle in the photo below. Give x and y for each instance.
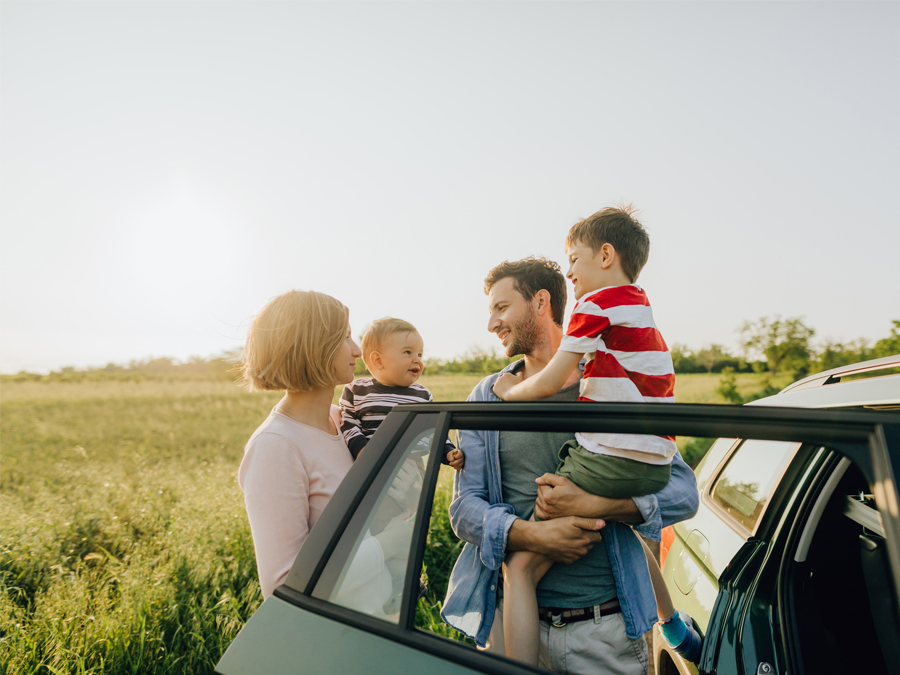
(557, 620)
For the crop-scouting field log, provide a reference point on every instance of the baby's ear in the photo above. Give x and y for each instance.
(375, 359)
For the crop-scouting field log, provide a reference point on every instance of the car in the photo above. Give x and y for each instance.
(788, 566)
(336, 613)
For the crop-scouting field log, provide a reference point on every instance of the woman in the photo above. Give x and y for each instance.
(294, 461)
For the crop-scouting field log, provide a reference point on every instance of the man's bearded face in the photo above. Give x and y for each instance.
(524, 334)
(513, 319)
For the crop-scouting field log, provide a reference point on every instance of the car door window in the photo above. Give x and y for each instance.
(744, 485)
(367, 571)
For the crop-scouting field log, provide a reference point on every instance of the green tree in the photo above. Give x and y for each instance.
(890, 345)
(710, 356)
(785, 344)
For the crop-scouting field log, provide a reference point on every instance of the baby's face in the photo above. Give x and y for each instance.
(401, 359)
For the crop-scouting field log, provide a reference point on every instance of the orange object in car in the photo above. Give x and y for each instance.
(668, 536)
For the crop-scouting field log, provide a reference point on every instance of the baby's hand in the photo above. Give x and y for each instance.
(506, 382)
(457, 459)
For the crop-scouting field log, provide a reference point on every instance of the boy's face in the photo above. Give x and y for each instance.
(400, 359)
(586, 270)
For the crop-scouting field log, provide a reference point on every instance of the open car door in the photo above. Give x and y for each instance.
(339, 612)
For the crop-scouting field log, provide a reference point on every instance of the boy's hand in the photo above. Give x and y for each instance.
(506, 382)
(457, 459)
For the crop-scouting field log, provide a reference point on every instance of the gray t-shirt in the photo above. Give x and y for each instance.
(525, 455)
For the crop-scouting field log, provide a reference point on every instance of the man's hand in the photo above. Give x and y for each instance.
(457, 459)
(559, 497)
(563, 540)
(506, 382)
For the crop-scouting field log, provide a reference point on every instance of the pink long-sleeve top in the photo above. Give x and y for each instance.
(289, 473)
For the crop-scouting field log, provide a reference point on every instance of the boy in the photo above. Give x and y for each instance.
(627, 360)
(392, 351)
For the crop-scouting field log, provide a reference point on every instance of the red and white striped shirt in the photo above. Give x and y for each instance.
(628, 360)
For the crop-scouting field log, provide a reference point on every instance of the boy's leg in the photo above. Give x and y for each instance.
(676, 627)
(521, 573)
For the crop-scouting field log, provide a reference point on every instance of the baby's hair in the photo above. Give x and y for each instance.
(619, 228)
(378, 331)
(293, 341)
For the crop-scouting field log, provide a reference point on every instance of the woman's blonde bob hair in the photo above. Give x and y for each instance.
(293, 341)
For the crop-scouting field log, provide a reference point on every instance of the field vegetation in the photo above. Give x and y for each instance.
(125, 546)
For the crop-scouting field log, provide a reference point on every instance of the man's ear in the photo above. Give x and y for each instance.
(542, 302)
(608, 256)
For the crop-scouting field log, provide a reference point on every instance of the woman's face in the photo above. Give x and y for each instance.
(345, 360)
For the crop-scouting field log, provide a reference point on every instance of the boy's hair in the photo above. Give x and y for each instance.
(378, 331)
(530, 275)
(618, 227)
(293, 341)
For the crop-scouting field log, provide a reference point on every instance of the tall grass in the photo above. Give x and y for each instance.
(124, 543)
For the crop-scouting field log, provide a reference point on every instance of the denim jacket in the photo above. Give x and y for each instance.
(479, 517)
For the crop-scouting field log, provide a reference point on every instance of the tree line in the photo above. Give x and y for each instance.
(767, 345)
(779, 345)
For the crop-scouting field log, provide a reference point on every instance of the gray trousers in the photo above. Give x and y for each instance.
(584, 647)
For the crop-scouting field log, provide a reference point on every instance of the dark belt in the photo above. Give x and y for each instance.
(560, 617)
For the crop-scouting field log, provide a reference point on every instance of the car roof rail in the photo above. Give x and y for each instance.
(834, 375)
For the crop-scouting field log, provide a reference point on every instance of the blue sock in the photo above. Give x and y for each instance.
(673, 629)
(681, 636)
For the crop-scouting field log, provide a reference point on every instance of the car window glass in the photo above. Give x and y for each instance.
(368, 574)
(745, 484)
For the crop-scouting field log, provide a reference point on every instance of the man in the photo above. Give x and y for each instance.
(596, 606)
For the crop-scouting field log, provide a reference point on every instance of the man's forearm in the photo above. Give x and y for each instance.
(619, 510)
(563, 540)
(558, 497)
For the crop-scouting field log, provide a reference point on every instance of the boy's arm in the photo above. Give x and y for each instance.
(351, 425)
(511, 387)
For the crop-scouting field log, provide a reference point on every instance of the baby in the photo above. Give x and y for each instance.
(627, 360)
(392, 351)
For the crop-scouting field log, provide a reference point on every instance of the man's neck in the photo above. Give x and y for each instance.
(538, 358)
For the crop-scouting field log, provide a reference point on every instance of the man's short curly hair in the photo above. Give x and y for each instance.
(530, 275)
(619, 228)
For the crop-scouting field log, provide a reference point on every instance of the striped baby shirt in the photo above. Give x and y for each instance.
(366, 402)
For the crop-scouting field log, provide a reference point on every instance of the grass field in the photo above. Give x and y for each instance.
(125, 546)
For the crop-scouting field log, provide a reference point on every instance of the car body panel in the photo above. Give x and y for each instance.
(875, 391)
(283, 638)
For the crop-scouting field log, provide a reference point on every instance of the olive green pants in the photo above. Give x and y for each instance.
(607, 476)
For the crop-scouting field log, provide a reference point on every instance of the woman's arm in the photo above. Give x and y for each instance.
(512, 387)
(276, 492)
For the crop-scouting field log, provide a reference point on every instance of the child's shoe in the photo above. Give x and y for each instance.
(679, 632)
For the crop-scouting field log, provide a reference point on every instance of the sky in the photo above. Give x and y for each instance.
(166, 168)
